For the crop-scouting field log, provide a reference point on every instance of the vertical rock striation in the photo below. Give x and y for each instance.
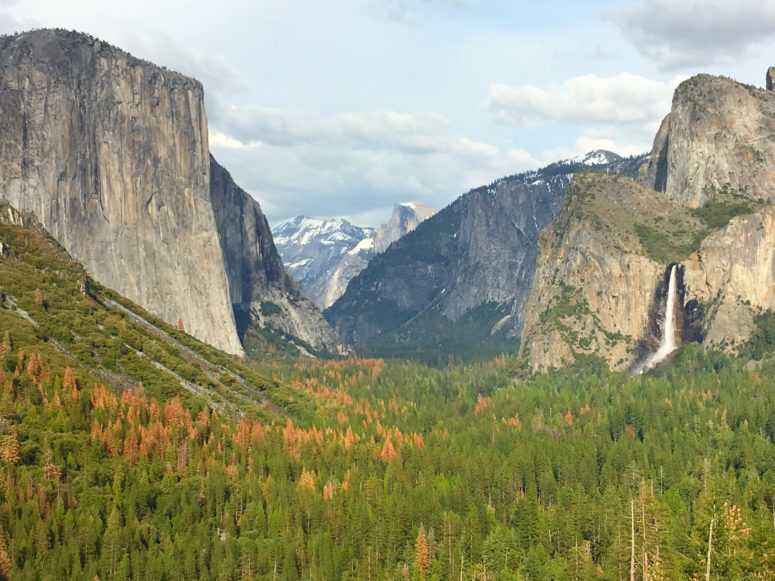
(111, 154)
(733, 275)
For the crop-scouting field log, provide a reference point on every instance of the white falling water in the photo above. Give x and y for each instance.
(668, 343)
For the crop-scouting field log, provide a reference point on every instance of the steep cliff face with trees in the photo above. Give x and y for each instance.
(600, 267)
(707, 206)
(111, 154)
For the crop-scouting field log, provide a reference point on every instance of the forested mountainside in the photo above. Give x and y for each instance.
(130, 450)
(459, 281)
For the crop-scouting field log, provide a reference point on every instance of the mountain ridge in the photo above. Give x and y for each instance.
(461, 272)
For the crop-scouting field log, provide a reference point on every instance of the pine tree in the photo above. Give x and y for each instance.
(70, 384)
(5, 346)
(388, 451)
(112, 543)
(9, 449)
(422, 560)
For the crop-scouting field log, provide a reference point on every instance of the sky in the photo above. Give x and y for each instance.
(345, 107)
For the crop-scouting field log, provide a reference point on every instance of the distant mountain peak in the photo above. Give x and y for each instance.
(597, 157)
(405, 218)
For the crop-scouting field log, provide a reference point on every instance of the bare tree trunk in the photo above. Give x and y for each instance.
(449, 547)
(643, 532)
(632, 540)
(619, 548)
(710, 544)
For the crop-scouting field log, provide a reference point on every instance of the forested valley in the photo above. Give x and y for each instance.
(371, 469)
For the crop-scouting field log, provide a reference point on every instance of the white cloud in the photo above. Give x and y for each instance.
(351, 163)
(619, 113)
(416, 133)
(10, 24)
(693, 33)
(588, 99)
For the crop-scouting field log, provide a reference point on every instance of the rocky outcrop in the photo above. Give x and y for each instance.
(717, 137)
(405, 218)
(598, 283)
(111, 154)
(733, 275)
(770, 80)
(459, 281)
(259, 286)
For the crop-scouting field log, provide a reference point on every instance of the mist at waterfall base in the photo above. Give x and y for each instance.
(668, 343)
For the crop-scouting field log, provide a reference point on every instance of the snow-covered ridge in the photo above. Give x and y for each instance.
(596, 157)
(561, 172)
(304, 230)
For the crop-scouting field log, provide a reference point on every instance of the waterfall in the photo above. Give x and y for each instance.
(668, 343)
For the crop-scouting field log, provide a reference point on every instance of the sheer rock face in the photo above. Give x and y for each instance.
(719, 135)
(733, 273)
(258, 283)
(111, 154)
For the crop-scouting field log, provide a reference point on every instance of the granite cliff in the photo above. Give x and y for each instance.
(733, 275)
(718, 136)
(111, 154)
(406, 217)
